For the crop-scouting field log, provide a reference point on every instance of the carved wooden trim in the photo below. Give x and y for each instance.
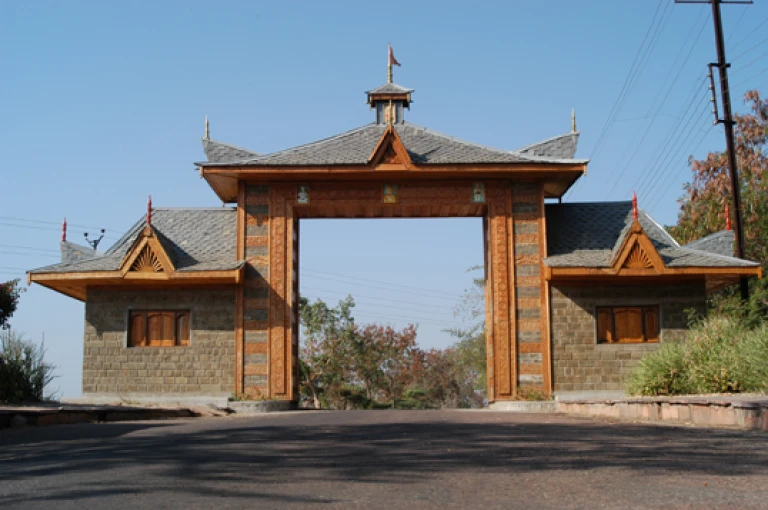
(390, 152)
(147, 256)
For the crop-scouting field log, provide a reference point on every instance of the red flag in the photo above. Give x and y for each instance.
(392, 59)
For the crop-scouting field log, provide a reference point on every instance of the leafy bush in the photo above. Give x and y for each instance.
(720, 355)
(23, 370)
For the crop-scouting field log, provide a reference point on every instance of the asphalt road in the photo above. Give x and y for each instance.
(382, 459)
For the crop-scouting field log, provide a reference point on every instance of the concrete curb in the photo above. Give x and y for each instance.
(719, 411)
(246, 407)
(525, 406)
(42, 416)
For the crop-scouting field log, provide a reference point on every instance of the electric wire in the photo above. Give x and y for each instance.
(663, 186)
(310, 270)
(629, 78)
(671, 139)
(639, 144)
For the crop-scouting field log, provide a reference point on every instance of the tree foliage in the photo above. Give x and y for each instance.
(345, 365)
(24, 373)
(702, 207)
(9, 300)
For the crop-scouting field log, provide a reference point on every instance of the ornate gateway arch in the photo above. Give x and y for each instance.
(393, 169)
(203, 302)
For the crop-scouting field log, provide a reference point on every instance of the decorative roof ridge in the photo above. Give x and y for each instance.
(211, 140)
(388, 85)
(224, 208)
(716, 255)
(601, 203)
(663, 230)
(701, 240)
(552, 139)
(296, 147)
(540, 159)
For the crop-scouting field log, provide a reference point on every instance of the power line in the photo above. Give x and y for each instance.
(378, 287)
(666, 96)
(634, 68)
(400, 308)
(44, 222)
(29, 254)
(758, 27)
(27, 247)
(309, 270)
(666, 142)
(671, 144)
(626, 87)
(377, 298)
(683, 167)
(673, 155)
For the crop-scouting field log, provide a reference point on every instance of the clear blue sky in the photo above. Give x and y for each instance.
(102, 103)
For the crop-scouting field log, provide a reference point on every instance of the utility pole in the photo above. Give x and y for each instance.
(728, 123)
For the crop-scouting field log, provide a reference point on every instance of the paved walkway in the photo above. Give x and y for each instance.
(382, 459)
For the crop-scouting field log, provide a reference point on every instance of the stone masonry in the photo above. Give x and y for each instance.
(205, 368)
(579, 362)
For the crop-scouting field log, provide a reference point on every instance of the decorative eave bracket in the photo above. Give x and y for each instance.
(147, 256)
(637, 255)
(390, 153)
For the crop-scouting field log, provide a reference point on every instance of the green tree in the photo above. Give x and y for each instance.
(326, 343)
(385, 361)
(9, 300)
(702, 206)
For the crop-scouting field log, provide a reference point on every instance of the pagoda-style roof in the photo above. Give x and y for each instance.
(389, 88)
(424, 146)
(184, 245)
(590, 239)
(220, 152)
(430, 153)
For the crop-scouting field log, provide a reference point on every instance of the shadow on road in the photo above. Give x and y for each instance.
(243, 458)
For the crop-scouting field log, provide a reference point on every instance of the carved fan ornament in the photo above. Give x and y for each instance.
(390, 156)
(147, 262)
(638, 259)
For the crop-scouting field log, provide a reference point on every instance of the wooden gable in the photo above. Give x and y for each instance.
(147, 256)
(638, 255)
(390, 153)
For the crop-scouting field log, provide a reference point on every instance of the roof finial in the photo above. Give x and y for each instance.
(207, 131)
(634, 205)
(64, 230)
(573, 120)
(727, 217)
(149, 210)
(391, 60)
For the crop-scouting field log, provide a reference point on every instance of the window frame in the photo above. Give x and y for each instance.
(178, 340)
(644, 309)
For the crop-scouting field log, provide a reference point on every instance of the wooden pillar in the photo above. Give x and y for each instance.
(500, 292)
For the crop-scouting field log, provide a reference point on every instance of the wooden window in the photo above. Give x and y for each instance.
(627, 324)
(151, 328)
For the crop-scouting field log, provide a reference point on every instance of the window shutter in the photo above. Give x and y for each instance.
(651, 321)
(605, 325)
(182, 329)
(138, 330)
(629, 324)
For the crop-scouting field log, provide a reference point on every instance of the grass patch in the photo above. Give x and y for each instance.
(720, 355)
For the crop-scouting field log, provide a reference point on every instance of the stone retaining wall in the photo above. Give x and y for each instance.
(738, 413)
(206, 367)
(579, 362)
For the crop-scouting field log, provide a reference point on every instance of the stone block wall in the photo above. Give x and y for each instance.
(527, 211)
(579, 362)
(256, 291)
(206, 367)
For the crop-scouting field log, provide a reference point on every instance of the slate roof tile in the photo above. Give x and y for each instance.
(355, 147)
(197, 239)
(590, 235)
(220, 152)
(562, 147)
